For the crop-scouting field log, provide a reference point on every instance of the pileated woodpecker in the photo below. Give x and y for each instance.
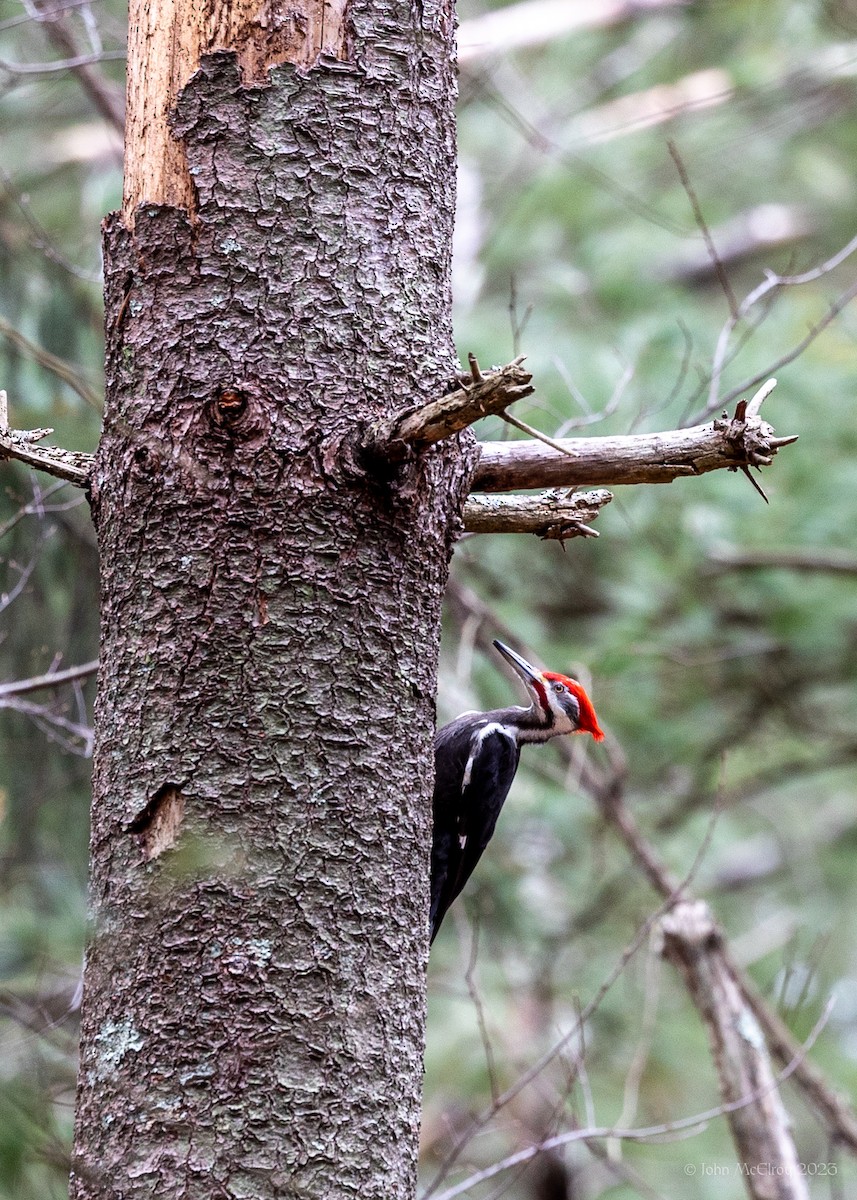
(476, 757)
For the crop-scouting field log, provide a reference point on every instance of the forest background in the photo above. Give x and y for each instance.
(719, 634)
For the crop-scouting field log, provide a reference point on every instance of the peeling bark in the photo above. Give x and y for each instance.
(166, 45)
(254, 990)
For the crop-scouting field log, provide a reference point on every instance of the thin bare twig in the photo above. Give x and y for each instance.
(42, 240)
(518, 324)
(832, 562)
(702, 224)
(537, 434)
(692, 1124)
(591, 418)
(55, 725)
(7, 598)
(49, 680)
(57, 366)
(29, 16)
(62, 64)
(107, 97)
(38, 506)
(797, 350)
(479, 1009)
(771, 283)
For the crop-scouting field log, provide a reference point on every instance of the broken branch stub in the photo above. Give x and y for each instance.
(70, 465)
(555, 515)
(478, 395)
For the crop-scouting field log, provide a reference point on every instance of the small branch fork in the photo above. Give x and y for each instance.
(692, 942)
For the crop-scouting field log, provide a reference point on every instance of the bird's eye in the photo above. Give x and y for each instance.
(559, 687)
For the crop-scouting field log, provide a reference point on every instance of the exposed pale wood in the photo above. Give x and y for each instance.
(554, 515)
(166, 41)
(158, 826)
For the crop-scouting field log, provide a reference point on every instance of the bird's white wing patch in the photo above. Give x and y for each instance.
(476, 743)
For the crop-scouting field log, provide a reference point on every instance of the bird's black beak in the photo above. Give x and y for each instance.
(527, 672)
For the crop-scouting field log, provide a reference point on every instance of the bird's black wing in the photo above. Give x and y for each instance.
(474, 771)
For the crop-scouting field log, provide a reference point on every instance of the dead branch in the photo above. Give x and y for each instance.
(555, 515)
(702, 226)
(70, 465)
(733, 443)
(479, 395)
(766, 1153)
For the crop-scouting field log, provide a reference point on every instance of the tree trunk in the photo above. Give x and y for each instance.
(254, 988)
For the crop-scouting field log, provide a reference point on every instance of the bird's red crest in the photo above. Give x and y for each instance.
(588, 722)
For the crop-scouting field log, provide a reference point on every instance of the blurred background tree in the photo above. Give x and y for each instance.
(720, 634)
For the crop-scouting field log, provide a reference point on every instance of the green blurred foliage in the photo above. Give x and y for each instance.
(59, 173)
(724, 687)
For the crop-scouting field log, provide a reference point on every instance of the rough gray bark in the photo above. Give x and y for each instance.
(254, 989)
